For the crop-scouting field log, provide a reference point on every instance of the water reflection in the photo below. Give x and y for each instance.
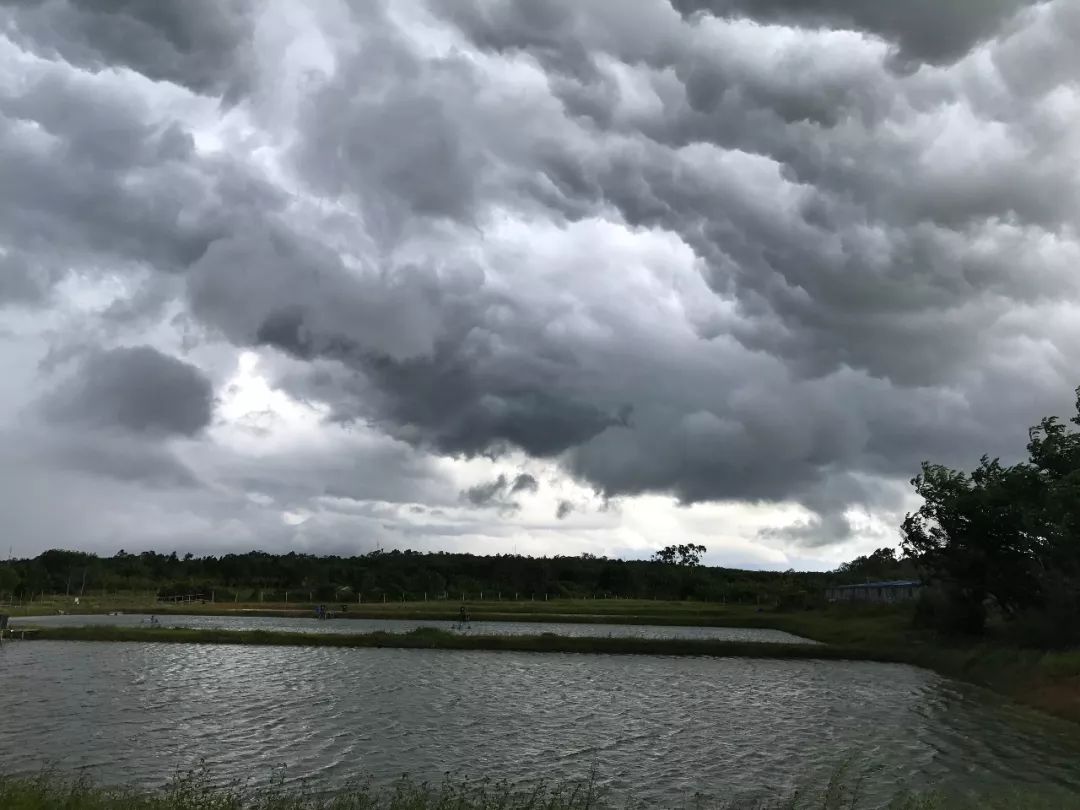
(656, 728)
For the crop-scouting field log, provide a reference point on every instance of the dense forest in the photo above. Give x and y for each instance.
(674, 573)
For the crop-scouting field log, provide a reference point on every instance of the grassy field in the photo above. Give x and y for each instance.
(191, 792)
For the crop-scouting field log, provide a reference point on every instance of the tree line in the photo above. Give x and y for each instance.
(675, 572)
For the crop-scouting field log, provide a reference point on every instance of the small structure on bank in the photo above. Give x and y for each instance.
(897, 590)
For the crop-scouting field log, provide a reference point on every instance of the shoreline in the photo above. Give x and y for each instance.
(724, 617)
(436, 639)
(193, 790)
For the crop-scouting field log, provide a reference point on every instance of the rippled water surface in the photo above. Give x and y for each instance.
(403, 626)
(654, 727)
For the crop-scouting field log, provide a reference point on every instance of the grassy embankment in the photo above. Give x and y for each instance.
(48, 792)
(1046, 680)
(434, 638)
(600, 611)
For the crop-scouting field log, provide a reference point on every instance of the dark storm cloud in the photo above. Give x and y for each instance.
(463, 412)
(563, 510)
(678, 252)
(924, 29)
(524, 483)
(23, 280)
(124, 460)
(139, 390)
(865, 262)
(94, 178)
(500, 491)
(430, 369)
(201, 44)
(453, 405)
(545, 30)
(495, 494)
(486, 494)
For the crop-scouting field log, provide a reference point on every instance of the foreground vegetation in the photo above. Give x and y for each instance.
(192, 791)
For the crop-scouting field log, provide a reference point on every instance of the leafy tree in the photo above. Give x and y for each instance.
(1006, 538)
(9, 579)
(686, 555)
(882, 563)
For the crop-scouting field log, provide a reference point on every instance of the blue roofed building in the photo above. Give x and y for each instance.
(896, 590)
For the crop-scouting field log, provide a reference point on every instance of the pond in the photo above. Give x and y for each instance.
(312, 625)
(655, 728)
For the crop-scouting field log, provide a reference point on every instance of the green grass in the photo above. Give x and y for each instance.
(192, 791)
(432, 638)
(600, 611)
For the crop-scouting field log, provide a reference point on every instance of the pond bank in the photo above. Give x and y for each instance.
(432, 638)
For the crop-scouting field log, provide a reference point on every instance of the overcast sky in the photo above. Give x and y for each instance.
(551, 276)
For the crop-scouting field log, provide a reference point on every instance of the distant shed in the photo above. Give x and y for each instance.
(899, 590)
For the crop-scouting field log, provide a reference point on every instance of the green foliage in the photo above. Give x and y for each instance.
(687, 554)
(9, 579)
(881, 564)
(1005, 539)
(406, 576)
